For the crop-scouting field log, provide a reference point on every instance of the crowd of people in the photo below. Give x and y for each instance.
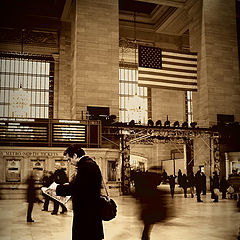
(219, 186)
(59, 177)
(85, 190)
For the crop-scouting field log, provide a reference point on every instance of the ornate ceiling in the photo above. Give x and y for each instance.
(155, 16)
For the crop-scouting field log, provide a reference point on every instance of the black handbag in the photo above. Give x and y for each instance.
(108, 207)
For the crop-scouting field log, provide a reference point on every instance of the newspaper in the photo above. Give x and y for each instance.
(51, 192)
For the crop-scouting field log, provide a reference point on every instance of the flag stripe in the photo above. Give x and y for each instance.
(173, 80)
(180, 61)
(180, 55)
(179, 66)
(168, 71)
(170, 79)
(168, 85)
(174, 70)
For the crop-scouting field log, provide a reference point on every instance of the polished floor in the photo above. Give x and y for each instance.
(191, 220)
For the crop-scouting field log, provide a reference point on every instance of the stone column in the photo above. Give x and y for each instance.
(95, 50)
(213, 35)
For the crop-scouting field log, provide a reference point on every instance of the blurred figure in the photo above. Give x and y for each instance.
(234, 182)
(172, 184)
(190, 179)
(151, 199)
(59, 177)
(223, 186)
(164, 176)
(215, 186)
(31, 196)
(47, 181)
(204, 185)
(198, 185)
(184, 184)
(179, 177)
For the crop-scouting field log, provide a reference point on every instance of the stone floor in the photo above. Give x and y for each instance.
(192, 220)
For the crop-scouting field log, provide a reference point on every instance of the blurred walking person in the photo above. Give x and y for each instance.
(204, 186)
(172, 184)
(31, 196)
(47, 181)
(215, 186)
(151, 199)
(190, 180)
(179, 178)
(198, 185)
(184, 184)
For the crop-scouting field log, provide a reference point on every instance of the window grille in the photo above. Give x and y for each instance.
(189, 107)
(133, 100)
(26, 85)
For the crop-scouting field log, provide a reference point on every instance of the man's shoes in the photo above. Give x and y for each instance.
(62, 212)
(30, 220)
(215, 201)
(200, 201)
(44, 210)
(53, 213)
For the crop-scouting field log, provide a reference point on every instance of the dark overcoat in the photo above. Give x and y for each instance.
(85, 190)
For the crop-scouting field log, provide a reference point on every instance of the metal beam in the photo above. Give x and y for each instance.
(171, 3)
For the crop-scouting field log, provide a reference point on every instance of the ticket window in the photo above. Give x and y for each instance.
(37, 167)
(13, 170)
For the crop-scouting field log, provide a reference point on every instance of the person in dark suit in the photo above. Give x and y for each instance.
(198, 185)
(204, 186)
(215, 185)
(223, 186)
(85, 189)
(190, 180)
(31, 196)
(184, 184)
(59, 177)
(172, 184)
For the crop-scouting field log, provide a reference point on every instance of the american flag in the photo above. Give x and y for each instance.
(167, 69)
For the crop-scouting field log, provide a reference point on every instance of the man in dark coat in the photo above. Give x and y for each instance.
(85, 190)
(198, 185)
(215, 185)
(184, 184)
(172, 184)
(204, 186)
(223, 186)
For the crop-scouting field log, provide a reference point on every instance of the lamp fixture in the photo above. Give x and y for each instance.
(158, 123)
(184, 125)
(193, 124)
(150, 122)
(167, 123)
(176, 124)
(132, 123)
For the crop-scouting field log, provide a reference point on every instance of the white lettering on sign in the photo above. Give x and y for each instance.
(32, 154)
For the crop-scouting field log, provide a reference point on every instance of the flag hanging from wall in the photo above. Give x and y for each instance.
(159, 68)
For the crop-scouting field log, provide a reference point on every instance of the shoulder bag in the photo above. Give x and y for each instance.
(108, 207)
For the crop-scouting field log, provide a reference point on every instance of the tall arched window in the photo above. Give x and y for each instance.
(133, 100)
(26, 85)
